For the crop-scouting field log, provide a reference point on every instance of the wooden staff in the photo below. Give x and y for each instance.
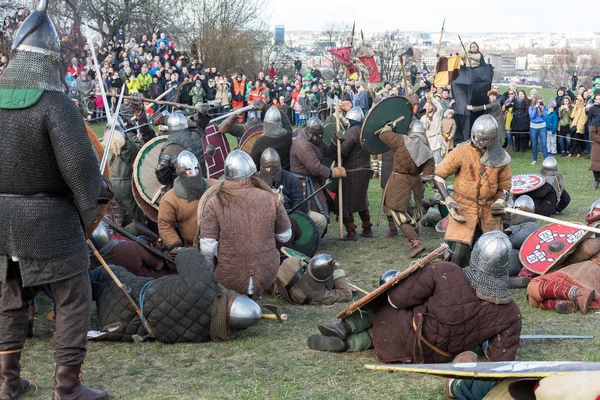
(166, 103)
(553, 220)
(120, 286)
(339, 164)
(162, 96)
(275, 317)
(353, 286)
(389, 284)
(404, 76)
(437, 55)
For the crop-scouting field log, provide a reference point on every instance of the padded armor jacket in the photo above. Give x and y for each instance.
(453, 319)
(48, 170)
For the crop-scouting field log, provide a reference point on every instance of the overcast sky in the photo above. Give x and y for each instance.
(462, 17)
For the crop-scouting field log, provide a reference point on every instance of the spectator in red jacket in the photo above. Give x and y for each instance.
(75, 67)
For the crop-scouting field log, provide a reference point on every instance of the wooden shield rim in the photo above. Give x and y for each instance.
(291, 253)
(146, 208)
(371, 113)
(559, 260)
(100, 152)
(389, 284)
(205, 142)
(254, 132)
(312, 223)
(543, 181)
(136, 165)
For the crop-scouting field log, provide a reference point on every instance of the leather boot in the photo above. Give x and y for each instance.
(350, 237)
(11, 384)
(338, 329)
(595, 185)
(367, 232)
(30, 322)
(327, 343)
(464, 357)
(417, 248)
(583, 298)
(393, 228)
(565, 307)
(69, 387)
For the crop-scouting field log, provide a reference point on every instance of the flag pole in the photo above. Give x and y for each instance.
(339, 142)
(437, 55)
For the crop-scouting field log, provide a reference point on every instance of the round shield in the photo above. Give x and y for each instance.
(291, 253)
(216, 150)
(148, 187)
(101, 209)
(525, 183)
(249, 137)
(308, 242)
(441, 226)
(548, 247)
(146, 208)
(390, 110)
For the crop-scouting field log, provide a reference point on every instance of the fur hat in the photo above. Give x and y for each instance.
(448, 112)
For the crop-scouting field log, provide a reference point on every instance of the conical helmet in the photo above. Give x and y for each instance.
(37, 33)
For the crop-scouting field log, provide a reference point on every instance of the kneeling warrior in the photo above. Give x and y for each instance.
(319, 281)
(437, 312)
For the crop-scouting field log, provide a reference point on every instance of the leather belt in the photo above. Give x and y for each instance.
(428, 343)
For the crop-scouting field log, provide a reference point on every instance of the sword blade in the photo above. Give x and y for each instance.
(546, 337)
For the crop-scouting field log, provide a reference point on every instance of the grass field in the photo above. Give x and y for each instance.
(271, 360)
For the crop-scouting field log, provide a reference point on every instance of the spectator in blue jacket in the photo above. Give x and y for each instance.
(537, 127)
(551, 127)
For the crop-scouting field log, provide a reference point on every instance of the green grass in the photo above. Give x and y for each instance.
(271, 360)
(547, 94)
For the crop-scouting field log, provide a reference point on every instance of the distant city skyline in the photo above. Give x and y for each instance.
(463, 17)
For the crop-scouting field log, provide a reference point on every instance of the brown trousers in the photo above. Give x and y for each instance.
(365, 217)
(73, 299)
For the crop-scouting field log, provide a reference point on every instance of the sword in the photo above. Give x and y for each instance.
(99, 77)
(113, 123)
(297, 206)
(553, 220)
(229, 114)
(555, 337)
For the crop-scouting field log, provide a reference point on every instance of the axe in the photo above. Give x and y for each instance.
(276, 315)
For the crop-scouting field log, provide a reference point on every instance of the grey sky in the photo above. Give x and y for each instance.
(464, 15)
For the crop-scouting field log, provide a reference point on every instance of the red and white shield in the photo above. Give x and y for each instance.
(525, 183)
(216, 150)
(548, 247)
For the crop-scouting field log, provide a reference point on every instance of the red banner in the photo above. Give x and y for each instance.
(369, 62)
(342, 53)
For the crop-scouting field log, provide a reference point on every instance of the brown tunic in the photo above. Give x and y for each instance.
(406, 176)
(305, 160)
(454, 319)
(356, 184)
(176, 213)
(476, 187)
(135, 259)
(245, 229)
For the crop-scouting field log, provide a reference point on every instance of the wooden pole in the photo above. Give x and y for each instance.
(167, 103)
(437, 55)
(120, 286)
(339, 164)
(404, 76)
(553, 220)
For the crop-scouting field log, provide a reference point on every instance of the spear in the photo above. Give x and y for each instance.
(435, 65)
(100, 82)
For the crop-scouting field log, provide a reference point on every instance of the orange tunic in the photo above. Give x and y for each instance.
(476, 187)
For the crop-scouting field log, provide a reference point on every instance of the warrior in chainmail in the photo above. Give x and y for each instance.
(177, 214)
(464, 309)
(481, 187)
(180, 138)
(50, 188)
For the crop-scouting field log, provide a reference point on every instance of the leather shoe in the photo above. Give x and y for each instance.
(338, 329)
(327, 343)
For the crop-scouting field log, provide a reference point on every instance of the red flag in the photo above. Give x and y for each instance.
(369, 62)
(342, 54)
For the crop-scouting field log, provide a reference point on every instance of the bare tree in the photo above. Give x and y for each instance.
(228, 34)
(387, 49)
(332, 36)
